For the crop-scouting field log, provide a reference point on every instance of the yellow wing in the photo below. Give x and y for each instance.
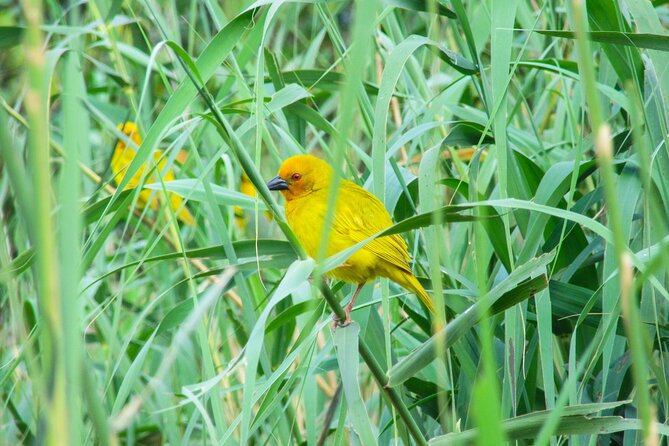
(121, 159)
(360, 215)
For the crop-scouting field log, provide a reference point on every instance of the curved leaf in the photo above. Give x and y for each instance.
(576, 421)
(426, 353)
(192, 189)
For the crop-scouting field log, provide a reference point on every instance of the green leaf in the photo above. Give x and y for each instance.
(18, 265)
(132, 377)
(426, 353)
(91, 213)
(494, 227)
(346, 345)
(205, 66)
(176, 316)
(421, 6)
(466, 134)
(521, 293)
(512, 203)
(637, 40)
(559, 66)
(605, 15)
(94, 212)
(11, 36)
(455, 60)
(327, 81)
(575, 421)
(186, 59)
(257, 250)
(289, 314)
(296, 275)
(193, 189)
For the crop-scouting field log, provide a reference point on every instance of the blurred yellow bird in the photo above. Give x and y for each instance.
(304, 181)
(121, 159)
(246, 187)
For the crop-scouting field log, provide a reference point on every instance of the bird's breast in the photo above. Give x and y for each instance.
(306, 217)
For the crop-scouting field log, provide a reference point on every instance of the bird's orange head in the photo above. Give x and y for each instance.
(300, 175)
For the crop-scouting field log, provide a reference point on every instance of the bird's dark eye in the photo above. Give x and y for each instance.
(296, 176)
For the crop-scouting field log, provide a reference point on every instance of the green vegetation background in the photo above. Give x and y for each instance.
(522, 146)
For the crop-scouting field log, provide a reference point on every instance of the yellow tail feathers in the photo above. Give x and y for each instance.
(409, 281)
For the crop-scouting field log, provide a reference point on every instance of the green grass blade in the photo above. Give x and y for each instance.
(346, 343)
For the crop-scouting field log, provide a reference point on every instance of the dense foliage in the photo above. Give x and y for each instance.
(521, 148)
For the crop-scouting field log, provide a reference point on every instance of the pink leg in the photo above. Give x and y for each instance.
(349, 307)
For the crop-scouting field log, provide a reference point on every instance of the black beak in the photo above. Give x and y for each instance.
(277, 183)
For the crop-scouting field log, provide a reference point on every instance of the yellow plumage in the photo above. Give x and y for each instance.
(246, 187)
(304, 181)
(121, 159)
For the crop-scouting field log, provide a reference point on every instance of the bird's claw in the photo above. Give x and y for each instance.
(337, 322)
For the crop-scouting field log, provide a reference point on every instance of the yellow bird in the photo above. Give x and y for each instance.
(304, 181)
(121, 159)
(246, 187)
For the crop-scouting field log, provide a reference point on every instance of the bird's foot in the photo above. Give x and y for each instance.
(337, 322)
